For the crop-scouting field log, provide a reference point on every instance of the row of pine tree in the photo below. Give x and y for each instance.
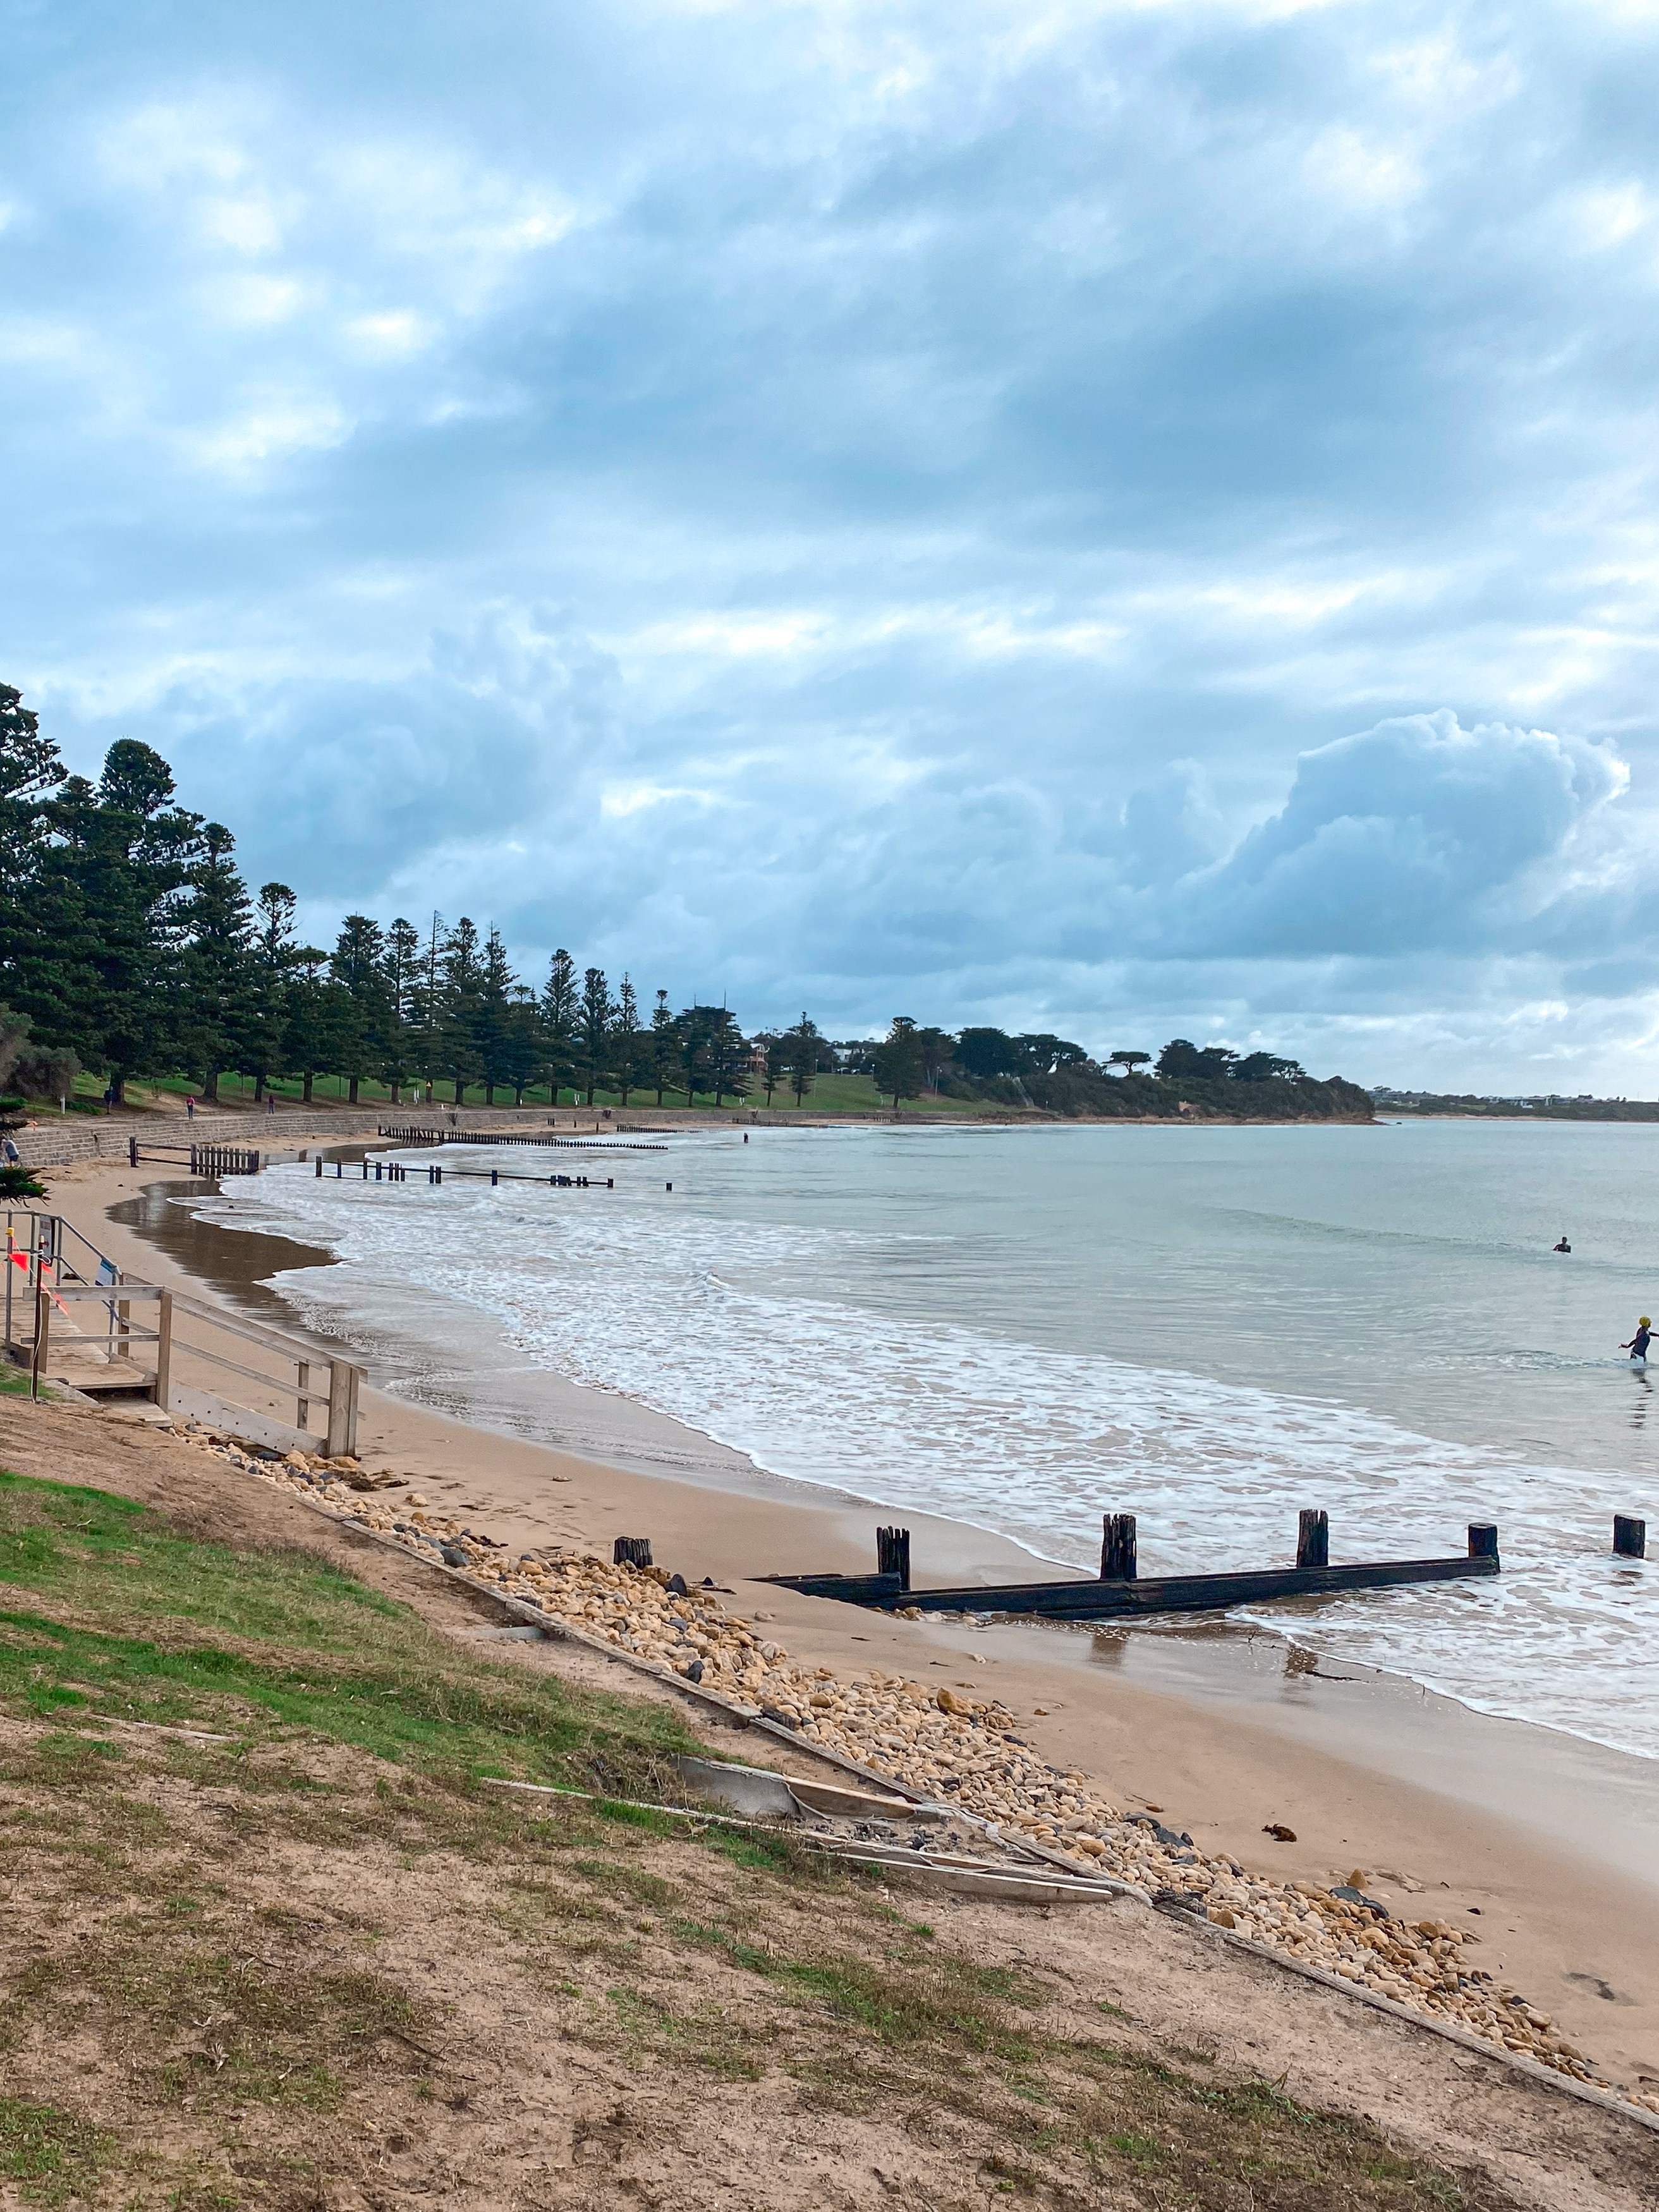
(131, 945)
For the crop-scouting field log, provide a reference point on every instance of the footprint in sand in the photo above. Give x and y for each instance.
(1601, 1989)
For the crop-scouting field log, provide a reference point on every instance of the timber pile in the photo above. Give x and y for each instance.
(961, 1753)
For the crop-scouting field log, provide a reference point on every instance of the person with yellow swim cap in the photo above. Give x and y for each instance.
(1638, 1346)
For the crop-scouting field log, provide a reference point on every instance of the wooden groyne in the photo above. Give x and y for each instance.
(427, 1136)
(434, 1176)
(1119, 1593)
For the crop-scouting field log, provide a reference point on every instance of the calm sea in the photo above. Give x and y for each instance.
(1209, 1327)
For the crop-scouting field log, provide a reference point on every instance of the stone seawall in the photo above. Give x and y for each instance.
(56, 1143)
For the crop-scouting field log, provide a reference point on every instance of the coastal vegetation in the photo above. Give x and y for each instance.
(133, 953)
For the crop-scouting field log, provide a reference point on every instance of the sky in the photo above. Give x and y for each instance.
(1130, 520)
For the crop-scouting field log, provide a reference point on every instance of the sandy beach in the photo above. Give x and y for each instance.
(1541, 1841)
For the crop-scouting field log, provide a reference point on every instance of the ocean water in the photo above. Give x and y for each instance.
(1025, 1328)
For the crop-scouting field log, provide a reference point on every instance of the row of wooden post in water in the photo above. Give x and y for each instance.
(395, 1171)
(1120, 1590)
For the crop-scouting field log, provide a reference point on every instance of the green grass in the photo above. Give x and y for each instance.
(857, 1094)
(255, 1643)
(830, 1096)
(53, 2155)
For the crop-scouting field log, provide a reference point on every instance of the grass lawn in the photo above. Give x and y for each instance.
(832, 1095)
(857, 1094)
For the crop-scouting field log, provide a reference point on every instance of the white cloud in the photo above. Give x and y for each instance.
(255, 303)
(619, 801)
(1361, 172)
(248, 223)
(395, 332)
(272, 428)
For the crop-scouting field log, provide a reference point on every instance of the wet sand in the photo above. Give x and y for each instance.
(1543, 1841)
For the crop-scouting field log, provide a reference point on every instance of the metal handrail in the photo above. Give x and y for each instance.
(46, 1241)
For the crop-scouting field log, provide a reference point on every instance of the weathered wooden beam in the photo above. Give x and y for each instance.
(1115, 1600)
(163, 1386)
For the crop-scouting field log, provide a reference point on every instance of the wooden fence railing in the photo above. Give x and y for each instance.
(41, 1281)
(204, 1159)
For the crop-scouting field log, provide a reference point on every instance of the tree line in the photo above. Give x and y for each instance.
(130, 945)
(913, 1058)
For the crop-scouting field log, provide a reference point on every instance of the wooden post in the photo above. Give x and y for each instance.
(1483, 1540)
(339, 1408)
(1312, 1538)
(1119, 1559)
(42, 1331)
(164, 1352)
(132, 1152)
(302, 1400)
(631, 1550)
(124, 1328)
(320, 1167)
(893, 1554)
(1630, 1537)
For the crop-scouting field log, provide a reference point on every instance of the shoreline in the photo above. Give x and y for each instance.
(1539, 1835)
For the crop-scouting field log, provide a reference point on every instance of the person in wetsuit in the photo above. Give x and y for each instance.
(1638, 1346)
(1563, 1246)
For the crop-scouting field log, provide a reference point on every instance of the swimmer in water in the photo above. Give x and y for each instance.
(1638, 1346)
(1563, 1246)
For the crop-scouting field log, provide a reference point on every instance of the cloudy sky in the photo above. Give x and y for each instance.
(1127, 518)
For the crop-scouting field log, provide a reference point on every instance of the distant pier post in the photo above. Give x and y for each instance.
(1483, 1540)
(1630, 1537)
